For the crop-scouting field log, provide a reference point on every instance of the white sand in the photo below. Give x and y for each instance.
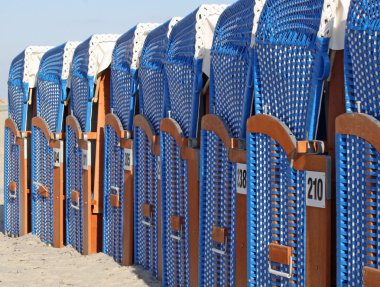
(25, 261)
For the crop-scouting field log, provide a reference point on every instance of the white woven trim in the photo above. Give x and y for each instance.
(327, 18)
(207, 17)
(141, 32)
(259, 6)
(100, 52)
(172, 23)
(68, 54)
(32, 59)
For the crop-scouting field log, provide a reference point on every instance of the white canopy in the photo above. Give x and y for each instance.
(32, 59)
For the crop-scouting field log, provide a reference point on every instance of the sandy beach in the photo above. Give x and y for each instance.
(25, 261)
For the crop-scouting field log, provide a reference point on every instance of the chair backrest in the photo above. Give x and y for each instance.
(22, 77)
(362, 66)
(52, 85)
(189, 44)
(151, 73)
(124, 66)
(230, 93)
(291, 62)
(91, 57)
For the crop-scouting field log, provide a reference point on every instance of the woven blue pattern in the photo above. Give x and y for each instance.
(358, 217)
(11, 173)
(152, 76)
(16, 91)
(230, 98)
(145, 192)
(42, 174)
(358, 197)
(113, 180)
(82, 86)
(174, 203)
(289, 188)
(74, 181)
(230, 66)
(184, 75)
(217, 209)
(123, 80)
(50, 87)
(289, 59)
(276, 212)
(361, 63)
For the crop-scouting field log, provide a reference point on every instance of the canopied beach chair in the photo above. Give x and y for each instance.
(89, 102)
(118, 168)
(187, 70)
(21, 93)
(291, 62)
(147, 197)
(48, 144)
(358, 152)
(222, 254)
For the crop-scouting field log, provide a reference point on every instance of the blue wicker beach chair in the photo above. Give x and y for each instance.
(152, 85)
(21, 93)
(118, 171)
(222, 254)
(47, 145)
(358, 152)
(291, 62)
(89, 102)
(187, 70)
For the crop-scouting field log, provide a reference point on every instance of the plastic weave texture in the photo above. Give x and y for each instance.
(11, 174)
(51, 90)
(123, 79)
(16, 103)
(113, 184)
(82, 86)
(42, 175)
(74, 182)
(17, 92)
(290, 64)
(146, 165)
(184, 75)
(123, 90)
(230, 66)
(146, 192)
(82, 91)
(358, 176)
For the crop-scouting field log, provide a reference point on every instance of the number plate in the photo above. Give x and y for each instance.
(58, 156)
(85, 159)
(316, 189)
(128, 159)
(241, 178)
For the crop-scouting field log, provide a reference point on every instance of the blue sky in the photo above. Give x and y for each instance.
(53, 22)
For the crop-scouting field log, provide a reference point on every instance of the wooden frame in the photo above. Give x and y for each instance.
(215, 124)
(22, 140)
(191, 155)
(58, 183)
(318, 236)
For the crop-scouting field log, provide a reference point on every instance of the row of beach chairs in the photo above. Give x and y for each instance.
(203, 148)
